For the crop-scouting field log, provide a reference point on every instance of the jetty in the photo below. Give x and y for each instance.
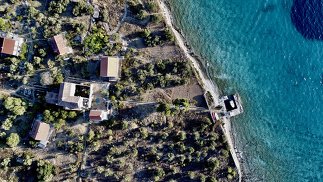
(228, 106)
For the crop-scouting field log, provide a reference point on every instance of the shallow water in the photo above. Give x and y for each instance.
(271, 52)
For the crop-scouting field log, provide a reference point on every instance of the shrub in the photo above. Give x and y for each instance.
(124, 125)
(181, 135)
(213, 163)
(169, 35)
(91, 135)
(165, 108)
(58, 6)
(23, 51)
(192, 175)
(156, 18)
(152, 6)
(212, 179)
(82, 8)
(5, 162)
(7, 124)
(45, 170)
(96, 41)
(27, 159)
(181, 103)
(230, 177)
(4, 26)
(144, 132)
(13, 140)
(158, 173)
(202, 178)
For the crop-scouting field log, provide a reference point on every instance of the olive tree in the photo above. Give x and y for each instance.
(15, 105)
(13, 140)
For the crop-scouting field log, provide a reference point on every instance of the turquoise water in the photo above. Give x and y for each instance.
(277, 66)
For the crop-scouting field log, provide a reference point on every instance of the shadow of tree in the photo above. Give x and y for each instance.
(306, 15)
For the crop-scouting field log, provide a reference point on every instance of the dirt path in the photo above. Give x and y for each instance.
(117, 28)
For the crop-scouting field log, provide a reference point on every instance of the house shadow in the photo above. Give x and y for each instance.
(307, 18)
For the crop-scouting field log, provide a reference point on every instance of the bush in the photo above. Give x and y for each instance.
(4, 26)
(181, 103)
(13, 140)
(45, 170)
(213, 163)
(96, 41)
(82, 8)
(91, 135)
(158, 173)
(152, 6)
(165, 108)
(5, 162)
(7, 124)
(156, 18)
(181, 135)
(144, 132)
(58, 6)
(169, 35)
(192, 175)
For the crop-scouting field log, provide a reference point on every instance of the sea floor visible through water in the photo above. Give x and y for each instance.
(271, 52)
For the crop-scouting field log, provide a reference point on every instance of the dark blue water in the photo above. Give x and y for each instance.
(271, 52)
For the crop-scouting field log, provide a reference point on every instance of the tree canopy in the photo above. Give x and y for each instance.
(45, 170)
(13, 140)
(15, 105)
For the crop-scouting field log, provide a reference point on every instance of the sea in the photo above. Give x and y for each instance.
(271, 53)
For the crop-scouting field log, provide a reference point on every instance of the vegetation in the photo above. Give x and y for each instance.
(96, 41)
(15, 105)
(58, 6)
(4, 26)
(157, 38)
(137, 9)
(13, 140)
(175, 149)
(45, 170)
(82, 8)
(58, 117)
(162, 74)
(136, 143)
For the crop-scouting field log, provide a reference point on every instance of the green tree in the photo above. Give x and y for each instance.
(169, 35)
(3, 25)
(58, 6)
(15, 105)
(213, 163)
(91, 135)
(5, 162)
(72, 115)
(45, 170)
(29, 68)
(13, 140)
(152, 6)
(7, 124)
(181, 103)
(42, 52)
(163, 107)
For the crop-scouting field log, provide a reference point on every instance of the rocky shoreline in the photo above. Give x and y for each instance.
(207, 84)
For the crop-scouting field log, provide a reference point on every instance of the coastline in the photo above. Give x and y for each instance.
(207, 83)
